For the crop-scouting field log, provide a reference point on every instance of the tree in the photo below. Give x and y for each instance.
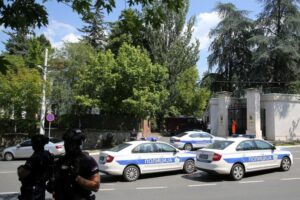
(20, 91)
(276, 44)
(171, 45)
(95, 30)
(129, 84)
(21, 14)
(17, 44)
(230, 49)
(130, 29)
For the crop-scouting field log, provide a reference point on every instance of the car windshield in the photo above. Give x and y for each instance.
(119, 147)
(181, 134)
(220, 145)
(55, 140)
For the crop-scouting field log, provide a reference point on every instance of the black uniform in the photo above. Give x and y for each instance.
(34, 173)
(65, 186)
(67, 168)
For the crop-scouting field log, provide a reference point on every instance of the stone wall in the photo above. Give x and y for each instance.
(94, 139)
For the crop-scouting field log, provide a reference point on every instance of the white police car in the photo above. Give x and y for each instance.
(236, 156)
(131, 159)
(193, 139)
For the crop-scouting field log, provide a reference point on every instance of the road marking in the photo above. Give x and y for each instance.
(109, 184)
(8, 172)
(202, 185)
(289, 179)
(107, 189)
(244, 182)
(151, 188)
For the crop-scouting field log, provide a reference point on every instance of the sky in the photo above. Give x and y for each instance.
(64, 23)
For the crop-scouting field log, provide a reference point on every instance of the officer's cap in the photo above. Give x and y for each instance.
(74, 135)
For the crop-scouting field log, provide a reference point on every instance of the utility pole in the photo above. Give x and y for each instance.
(43, 102)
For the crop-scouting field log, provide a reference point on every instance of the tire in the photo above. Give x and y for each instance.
(8, 156)
(188, 147)
(131, 173)
(237, 172)
(285, 164)
(189, 166)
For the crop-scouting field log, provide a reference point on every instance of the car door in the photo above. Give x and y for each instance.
(249, 154)
(269, 158)
(170, 159)
(196, 140)
(146, 157)
(24, 150)
(207, 139)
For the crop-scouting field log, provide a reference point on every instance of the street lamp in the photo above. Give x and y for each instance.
(43, 102)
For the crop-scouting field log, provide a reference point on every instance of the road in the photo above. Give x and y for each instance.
(267, 185)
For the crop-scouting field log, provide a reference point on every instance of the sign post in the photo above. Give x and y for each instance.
(50, 117)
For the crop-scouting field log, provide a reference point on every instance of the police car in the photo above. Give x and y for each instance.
(193, 139)
(131, 159)
(237, 156)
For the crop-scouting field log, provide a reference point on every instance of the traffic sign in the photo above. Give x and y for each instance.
(50, 117)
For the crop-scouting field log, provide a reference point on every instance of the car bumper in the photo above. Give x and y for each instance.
(111, 170)
(213, 167)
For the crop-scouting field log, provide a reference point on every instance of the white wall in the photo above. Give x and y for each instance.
(282, 116)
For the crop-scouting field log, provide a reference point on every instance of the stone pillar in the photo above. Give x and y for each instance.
(224, 102)
(253, 112)
(213, 115)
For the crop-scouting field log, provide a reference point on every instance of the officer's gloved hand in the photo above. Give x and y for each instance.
(73, 172)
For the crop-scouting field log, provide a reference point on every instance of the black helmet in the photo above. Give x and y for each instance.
(38, 142)
(74, 135)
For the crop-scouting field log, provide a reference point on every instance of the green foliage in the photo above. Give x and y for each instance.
(94, 30)
(22, 14)
(20, 90)
(230, 49)
(129, 84)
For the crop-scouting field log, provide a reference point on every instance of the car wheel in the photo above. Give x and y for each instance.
(237, 172)
(188, 147)
(131, 173)
(189, 166)
(285, 164)
(8, 156)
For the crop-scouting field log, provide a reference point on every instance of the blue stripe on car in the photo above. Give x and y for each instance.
(151, 161)
(197, 142)
(254, 158)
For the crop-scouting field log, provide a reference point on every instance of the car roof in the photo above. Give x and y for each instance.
(195, 131)
(238, 139)
(143, 142)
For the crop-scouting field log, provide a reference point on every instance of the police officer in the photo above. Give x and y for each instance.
(35, 172)
(76, 173)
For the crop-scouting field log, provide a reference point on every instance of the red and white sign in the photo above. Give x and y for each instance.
(50, 117)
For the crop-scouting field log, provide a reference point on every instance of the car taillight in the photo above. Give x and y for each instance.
(109, 158)
(217, 157)
(58, 146)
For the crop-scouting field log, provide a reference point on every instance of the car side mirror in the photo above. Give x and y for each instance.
(18, 145)
(273, 148)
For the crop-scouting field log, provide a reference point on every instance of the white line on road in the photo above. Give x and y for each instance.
(4, 193)
(151, 188)
(289, 179)
(202, 185)
(244, 182)
(107, 189)
(109, 184)
(8, 172)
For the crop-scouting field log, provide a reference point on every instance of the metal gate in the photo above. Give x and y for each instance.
(237, 111)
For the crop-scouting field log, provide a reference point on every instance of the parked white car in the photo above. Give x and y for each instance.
(193, 139)
(237, 156)
(133, 158)
(24, 149)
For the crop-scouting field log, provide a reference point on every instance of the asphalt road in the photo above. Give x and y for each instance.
(266, 185)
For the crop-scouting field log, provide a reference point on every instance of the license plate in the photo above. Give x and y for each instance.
(203, 156)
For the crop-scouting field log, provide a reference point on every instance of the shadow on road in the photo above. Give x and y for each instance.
(200, 176)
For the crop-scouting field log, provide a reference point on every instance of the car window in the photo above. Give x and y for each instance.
(160, 147)
(221, 145)
(119, 147)
(55, 140)
(246, 146)
(144, 148)
(26, 143)
(263, 145)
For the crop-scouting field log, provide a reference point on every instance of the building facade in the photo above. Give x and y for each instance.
(271, 116)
